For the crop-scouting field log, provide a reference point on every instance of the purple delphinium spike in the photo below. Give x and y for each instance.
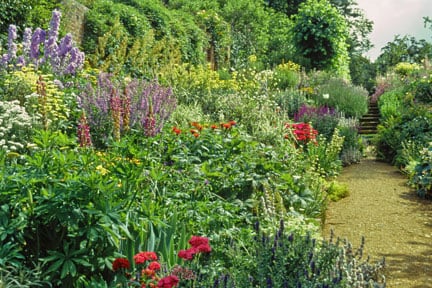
(51, 41)
(12, 47)
(26, 42)
(38, 37)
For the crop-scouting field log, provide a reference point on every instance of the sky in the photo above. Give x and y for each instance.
(395, 17)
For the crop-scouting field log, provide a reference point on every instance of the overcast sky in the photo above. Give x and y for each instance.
(392, 17)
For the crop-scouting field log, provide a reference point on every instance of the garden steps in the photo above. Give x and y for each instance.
(369, 122)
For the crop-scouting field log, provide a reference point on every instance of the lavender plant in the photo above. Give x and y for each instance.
(114, 108)
(292, 260)
(60, 57)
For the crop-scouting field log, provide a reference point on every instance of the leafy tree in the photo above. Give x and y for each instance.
(362, 72)
(320, 34)
(403, 49)
(359, 26)
(249, 23)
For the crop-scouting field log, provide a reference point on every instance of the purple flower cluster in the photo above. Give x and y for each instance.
(137, 105)
(63, 58)
(305, 113)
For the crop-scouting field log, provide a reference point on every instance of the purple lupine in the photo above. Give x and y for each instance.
(145, 105)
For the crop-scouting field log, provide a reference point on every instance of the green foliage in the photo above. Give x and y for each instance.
(248, 37)
(71, 213)
(352, 149)
(422, 89)
(403, 49)
(320, 34)
(337, 93)
(133, 38)
(337, 191)
(421, 177)
(415, 124)
(362, 72)
(283, 259)
(391, 103)
(324, 156)
(287, 76)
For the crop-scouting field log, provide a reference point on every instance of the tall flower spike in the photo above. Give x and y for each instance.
(84, 138)
(11, 42)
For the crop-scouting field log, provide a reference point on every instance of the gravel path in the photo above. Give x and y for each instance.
(395, 222)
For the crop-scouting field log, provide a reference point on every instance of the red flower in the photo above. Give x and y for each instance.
(187, 254)
(168, 281)
(226, 125)
(232, 122)
(120, 263)
(142, 257)
(196, 241)
(204, 248)
(176, 130)
(154, 266)
(214, 126)
(196, 135)
(197, 125)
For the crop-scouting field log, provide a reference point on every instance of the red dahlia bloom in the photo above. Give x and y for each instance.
(120, 263)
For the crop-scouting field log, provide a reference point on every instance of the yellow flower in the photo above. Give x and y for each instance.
(102, 170)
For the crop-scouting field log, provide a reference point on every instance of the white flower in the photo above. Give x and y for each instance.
(326, 96)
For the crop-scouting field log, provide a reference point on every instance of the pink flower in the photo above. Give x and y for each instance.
(168, 282)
